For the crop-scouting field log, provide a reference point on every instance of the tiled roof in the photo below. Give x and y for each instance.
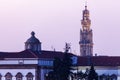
(30, 54)
(81, 61)
(51, 54)
(22, 54)
(99, 61)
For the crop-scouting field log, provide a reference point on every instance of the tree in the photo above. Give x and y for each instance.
(92, 74)
(62, 67)
(56, 73)
(66, 66)
(66, 63)
(51, 76)
(57, 65)
(80, 75)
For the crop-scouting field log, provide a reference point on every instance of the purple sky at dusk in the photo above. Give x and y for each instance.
(58, 21)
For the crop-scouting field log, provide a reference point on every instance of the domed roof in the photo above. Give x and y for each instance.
(32, 39)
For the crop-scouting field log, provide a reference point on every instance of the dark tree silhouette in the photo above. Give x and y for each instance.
(61, 67)
(51, 76)
(56, 73)
(57, 65)
(66, 66)
(80, 75)
(92, 74)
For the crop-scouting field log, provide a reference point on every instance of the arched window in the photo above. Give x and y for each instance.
(8, 76)
(19, 76)
(114, 77)
(29, 76)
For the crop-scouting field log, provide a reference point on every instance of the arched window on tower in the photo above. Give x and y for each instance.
(29, 76)
(19, 76)
(8, 76)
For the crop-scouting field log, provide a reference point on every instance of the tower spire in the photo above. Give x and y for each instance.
(85, 7)
(86, 42)
(86, 22)
(86, 4)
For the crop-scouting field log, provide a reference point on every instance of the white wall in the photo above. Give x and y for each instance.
(106, 72)
(18, 61)
(118, 72)
(15, 71)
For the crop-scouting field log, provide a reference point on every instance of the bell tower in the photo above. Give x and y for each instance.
(86, 35)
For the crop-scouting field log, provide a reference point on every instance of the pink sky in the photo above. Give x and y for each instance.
(58, 21)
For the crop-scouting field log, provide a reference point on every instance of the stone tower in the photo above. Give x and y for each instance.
(86, 36)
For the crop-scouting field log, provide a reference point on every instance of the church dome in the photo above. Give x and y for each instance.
(32, 39)
(33, 43)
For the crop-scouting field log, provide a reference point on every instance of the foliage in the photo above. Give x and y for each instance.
(92, 74)
(50, 76)
(61, 68)
(80, 75)
(56, 73)
(108, 77)
(66, 66)
(57, 68)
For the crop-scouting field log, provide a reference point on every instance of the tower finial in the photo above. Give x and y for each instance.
(86, 4)
(32, 33)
